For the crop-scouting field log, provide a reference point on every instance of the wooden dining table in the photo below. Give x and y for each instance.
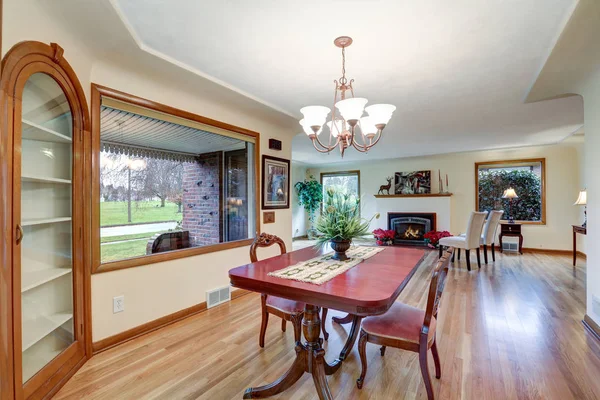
(369, 288)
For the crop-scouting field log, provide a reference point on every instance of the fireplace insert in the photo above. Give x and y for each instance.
(411, 227)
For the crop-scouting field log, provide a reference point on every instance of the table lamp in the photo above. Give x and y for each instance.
(582, 201)
(510, 194)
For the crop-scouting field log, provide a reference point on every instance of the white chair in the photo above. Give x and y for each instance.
(488, 237)
(471, 240)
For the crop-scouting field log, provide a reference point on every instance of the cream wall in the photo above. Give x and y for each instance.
(299, 216)
(160, 289)
(562, 186)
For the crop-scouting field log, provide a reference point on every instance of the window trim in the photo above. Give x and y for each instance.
(337, 173)
(542, 161)
(97, 93)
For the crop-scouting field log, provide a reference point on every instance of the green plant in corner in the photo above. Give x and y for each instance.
(310, 196)
(340, 222)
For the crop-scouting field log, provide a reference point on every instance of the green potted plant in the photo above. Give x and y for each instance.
(310, 196)
(340, 222)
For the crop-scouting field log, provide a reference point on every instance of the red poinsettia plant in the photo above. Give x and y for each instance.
(384, 237)
(432, 238)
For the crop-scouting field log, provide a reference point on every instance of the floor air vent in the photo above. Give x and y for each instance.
(218, 296)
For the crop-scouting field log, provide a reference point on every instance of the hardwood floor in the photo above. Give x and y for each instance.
(511, 330)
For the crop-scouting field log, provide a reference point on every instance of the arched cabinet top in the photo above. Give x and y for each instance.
(26, 58)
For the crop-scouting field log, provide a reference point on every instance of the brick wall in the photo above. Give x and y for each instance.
(202, 198)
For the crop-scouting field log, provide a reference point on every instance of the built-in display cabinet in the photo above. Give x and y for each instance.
(43, 279)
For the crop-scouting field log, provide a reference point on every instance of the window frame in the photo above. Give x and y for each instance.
(97, 93)
(338, 173)
(492, 164)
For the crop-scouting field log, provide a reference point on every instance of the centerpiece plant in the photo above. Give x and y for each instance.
(340, 222)
(310, 196)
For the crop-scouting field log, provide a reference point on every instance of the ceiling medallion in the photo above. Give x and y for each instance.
(342, 127)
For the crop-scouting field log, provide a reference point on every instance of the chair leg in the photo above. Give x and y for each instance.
(494, 252)
(441, 250)
(283, 321)
(458, 254)
(382, 351)
(436, 360)
(297, 323)
(453, 255)
(265, 320)
(425, 372)
(479, 258)
(468, 255)
(485, 253)
(362, 351)
(323, 319)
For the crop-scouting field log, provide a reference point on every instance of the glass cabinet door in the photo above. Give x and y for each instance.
(46, 223)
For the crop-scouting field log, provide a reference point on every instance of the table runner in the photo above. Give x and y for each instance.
(321, 269)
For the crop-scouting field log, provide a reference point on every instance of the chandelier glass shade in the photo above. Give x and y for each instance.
(348, 123)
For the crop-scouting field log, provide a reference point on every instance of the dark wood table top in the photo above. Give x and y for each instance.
(367, 289)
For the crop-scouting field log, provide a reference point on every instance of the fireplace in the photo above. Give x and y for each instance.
(411, 227)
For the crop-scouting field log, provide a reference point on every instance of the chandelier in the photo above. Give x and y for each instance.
(349, 116)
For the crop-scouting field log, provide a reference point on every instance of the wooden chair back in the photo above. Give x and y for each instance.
(265, 240)
(474, 228)
(436, 287)
(491, 226)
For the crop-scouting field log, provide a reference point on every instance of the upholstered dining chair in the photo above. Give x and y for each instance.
(408, 328)
(287, 310)
(488, 237)
(471, 239)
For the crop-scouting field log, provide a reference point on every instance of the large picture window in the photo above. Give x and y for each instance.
(348, 181)
(526, 177)
(169, 186)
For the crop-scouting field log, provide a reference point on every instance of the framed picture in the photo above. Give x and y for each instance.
(275, 183)
(414, 182)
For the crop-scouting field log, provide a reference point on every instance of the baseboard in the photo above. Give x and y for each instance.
(302, 237)
(581, 254)
(148, 327)
(239, 293)
(591, 326)
(550, 251)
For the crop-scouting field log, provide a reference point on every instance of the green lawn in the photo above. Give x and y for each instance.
(115, 212)
(121, 251)
(146, 235)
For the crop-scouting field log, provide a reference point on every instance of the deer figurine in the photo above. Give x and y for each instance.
(386, 187)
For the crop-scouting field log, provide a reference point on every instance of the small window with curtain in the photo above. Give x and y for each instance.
(347, 181)
(169, 184)
(515, 186)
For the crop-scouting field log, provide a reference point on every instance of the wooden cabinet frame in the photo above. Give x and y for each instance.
(22, 61)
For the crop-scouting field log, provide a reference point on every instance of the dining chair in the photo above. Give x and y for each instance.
(489, 233)
(408, 328)
(468, 242)
(287, 310)
(488, 237)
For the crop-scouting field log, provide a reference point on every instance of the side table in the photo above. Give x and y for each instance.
(577, 229)
(511, 230)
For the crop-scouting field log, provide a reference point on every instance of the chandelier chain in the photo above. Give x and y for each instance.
(343, 78)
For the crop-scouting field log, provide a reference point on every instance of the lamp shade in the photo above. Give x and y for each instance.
(307, 129)
(367, 127)
(510, 194)
(351, 109)
(380, 113)
(314, 115)
(582, 199)
(335, 129)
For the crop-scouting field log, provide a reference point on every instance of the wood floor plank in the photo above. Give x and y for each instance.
(511, 330)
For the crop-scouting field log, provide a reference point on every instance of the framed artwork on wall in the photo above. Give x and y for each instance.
(275, 183)
(413, 182)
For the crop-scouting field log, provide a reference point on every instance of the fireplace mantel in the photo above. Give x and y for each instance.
(440, 205)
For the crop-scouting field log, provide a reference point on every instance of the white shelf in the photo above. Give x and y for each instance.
(41, 221)
(41, 179)
(36, 329)
(33, 131)
(33, 279)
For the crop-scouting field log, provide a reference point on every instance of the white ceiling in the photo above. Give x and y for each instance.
(458, 71)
